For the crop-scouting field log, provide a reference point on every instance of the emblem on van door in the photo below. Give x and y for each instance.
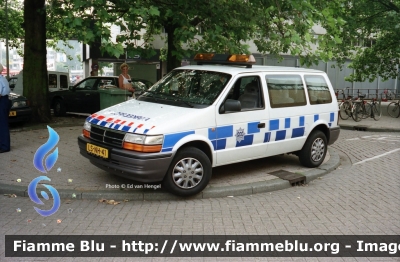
(240, 135)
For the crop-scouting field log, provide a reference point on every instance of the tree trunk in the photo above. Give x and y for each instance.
(35, 80)
(172, 60)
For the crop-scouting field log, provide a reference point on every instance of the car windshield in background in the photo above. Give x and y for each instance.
(188, 88)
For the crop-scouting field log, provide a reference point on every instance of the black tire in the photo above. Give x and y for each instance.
(357, 114)
(344, 110)
(376, 111)
(393, 109)
(189, 172)
(314, 150)
(59, 108)
(366, 111)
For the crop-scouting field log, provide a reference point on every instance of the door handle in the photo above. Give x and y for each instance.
(261, 125)
(87, 94)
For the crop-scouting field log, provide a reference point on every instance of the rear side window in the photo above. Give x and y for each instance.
(318, 90)
(52, 81)
(285, 91)
(63, 81)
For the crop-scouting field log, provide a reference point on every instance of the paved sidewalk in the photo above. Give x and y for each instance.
(74, 177)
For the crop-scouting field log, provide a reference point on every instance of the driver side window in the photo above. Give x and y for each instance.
(87, 84)
(248, 91)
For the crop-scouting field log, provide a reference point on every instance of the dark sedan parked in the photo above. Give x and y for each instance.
(20, 110)
(84, 97)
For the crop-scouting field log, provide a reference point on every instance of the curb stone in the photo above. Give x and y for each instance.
(208, 192)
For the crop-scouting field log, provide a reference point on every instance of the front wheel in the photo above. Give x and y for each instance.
(59, 108)
(314, 150)
(377, 112)
(357, 112)
(393, 109)
(189, 172)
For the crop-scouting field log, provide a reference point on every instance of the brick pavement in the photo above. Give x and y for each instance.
(80, 178)
(353, 199)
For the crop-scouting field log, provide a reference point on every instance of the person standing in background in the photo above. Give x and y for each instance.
(5, 105)
(125, 78)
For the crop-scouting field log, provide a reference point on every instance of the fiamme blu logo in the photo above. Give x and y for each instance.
(44, 160)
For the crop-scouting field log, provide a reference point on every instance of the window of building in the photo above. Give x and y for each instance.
(318, 90)
(285, 91)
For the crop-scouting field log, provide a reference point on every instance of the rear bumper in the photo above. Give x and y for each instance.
(334, 135)
(142, 167)
(22, 115)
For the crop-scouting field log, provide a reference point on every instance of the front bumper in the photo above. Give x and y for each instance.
(333, 135)
(22, 115)
(141, 167)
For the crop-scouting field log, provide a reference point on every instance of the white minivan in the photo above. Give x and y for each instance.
(57, 81)
(222, 111)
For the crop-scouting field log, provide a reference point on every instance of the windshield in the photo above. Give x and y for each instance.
(191, 88)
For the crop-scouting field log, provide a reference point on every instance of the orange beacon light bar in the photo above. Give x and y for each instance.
(235, 59)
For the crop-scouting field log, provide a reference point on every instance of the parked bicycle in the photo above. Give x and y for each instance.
(346, 107)
(393, 109)
(361, 109)
(375, 109)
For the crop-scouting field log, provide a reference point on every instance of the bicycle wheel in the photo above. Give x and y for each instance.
(357, 114)
(344, 110)
(394, 109)
(376, 111)
(365, 111)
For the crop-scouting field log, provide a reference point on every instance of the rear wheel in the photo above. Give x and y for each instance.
(314, 150)
(59, 108)
(189, 173)
(393, 109)
(344, 110)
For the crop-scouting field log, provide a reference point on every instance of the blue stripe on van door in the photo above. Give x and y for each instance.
(280, 135)
(287, 122)
(253, 128)
(301, 121)
(273, 124)
(267, 137)
(247, 140)
(298, 132)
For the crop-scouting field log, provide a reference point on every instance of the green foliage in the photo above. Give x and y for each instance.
(371, 37)
(15, 21)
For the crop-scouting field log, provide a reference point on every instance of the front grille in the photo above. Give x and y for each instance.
(107, 136)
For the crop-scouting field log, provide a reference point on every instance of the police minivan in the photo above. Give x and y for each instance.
(221, 111)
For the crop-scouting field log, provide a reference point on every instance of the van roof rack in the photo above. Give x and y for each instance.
(234, 59)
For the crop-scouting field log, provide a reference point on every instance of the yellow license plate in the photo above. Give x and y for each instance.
(97, 150)
(12, 113)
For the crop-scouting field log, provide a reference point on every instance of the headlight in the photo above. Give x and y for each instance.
(18, 104)
(143, 143)
(133, 138)
(87, 127)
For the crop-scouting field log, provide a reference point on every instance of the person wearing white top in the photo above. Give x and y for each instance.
(124, 79)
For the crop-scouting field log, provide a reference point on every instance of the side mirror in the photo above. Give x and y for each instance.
(71, 88)
(230, 105)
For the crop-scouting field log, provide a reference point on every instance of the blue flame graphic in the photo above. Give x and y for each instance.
(45, 149)
(33, 196)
